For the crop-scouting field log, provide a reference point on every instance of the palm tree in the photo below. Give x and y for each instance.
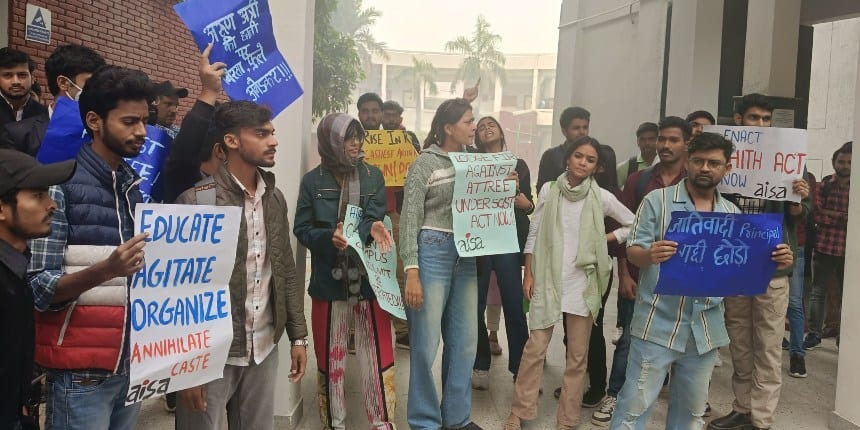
(481, 56)
(423, 76)
(352, 19)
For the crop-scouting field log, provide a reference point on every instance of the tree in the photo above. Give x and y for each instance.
(352, 19)
(337, 65)
(481, 57)
(423, 76)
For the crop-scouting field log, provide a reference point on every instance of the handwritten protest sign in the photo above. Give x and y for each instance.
(483, 206)
(180, 323)
(392, 152)
(242, 37)
(381, 268)
(66, 135)
(720, 254)
(765, 162)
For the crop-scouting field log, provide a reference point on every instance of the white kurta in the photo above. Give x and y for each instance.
(573, 278)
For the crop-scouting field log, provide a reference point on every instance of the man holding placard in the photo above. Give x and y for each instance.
(266, 297)
(756, 324)
(676, 331)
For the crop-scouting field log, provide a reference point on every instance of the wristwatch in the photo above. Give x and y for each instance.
(300, 342)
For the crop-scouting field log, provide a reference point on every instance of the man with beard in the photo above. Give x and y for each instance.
(79, 274)
(574, 122)
(646, 141)
(665, 332)
(25, 213)
(699, 119)
(166, 106)
(16, 83)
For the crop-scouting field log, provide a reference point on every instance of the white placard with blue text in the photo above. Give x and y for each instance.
(766, 161)
(180, 321)
(483, 205)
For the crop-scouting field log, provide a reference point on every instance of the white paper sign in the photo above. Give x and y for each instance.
(766, 161)
(180, 322)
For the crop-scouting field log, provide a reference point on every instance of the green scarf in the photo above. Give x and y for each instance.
(592, 255)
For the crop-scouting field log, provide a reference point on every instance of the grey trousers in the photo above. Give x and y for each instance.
(242, 400)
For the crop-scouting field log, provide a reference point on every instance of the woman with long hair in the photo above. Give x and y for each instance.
(508, 267)
(441, 287)
(567, 268)
(340, 292)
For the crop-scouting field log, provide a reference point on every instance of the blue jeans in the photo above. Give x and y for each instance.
(88, 400)
(622, 348)
(647, 366)
(795, 314)
(449, 312)
(510, 278)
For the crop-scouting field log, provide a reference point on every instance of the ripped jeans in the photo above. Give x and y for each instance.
(647, 366)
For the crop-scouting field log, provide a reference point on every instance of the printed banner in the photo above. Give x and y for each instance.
(180, 322)
(392, 152)
(381, 268)
(483, 206)
(720, 254)
(765, 162)
(241, 35)
(66, 135)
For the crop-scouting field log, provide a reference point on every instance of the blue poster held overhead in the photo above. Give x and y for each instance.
(720, 254)
(241, 35)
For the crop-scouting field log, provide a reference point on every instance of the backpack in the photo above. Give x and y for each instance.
(632, 166)
(642, 184)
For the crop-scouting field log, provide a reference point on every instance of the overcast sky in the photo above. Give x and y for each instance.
(526, 26)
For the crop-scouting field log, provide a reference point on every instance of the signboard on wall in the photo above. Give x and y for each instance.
(38, 23)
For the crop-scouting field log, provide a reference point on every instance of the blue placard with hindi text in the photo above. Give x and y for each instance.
(720, 254)
(241, 35)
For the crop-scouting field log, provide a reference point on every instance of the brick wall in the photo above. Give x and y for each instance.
(141, 34)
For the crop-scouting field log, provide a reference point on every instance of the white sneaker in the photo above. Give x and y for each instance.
(480, 380)
(603, 415)
(618, 332)
(719, 362)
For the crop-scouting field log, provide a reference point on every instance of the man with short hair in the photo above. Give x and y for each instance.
(166, 105)
(646, 140)
(699, 119)
(67, 68)
(370, 111)
(25, 213)
(671, 148)
(756, 324)
(16, 83)
(574, 122)
(81, 296)
(831, 217)
(266, 297)
(392, 119)
(678, 332)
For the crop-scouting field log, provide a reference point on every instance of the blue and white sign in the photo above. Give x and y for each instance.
(720, 254)
(242, 37)
(38, 24)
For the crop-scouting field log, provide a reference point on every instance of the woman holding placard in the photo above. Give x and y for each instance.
(340, 292)
(508, 267)
(567, 269)
(441, 287)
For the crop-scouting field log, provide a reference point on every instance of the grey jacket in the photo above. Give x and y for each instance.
(287, 295)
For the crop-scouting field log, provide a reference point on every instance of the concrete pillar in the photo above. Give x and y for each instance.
(564, 81)
(383, 85)
(846, 415)
(497, 95)
(4, 23)
(694, 60)
(770, 61)
(535, 89)
(293, 22)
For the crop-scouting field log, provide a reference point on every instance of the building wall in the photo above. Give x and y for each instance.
(4, 23)
(141, 34)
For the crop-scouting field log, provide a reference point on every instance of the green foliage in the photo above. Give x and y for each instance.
(423, 77)
(337, 65)
(482, 58)
(351, 18)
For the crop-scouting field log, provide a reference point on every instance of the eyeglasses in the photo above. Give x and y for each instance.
(700, 162)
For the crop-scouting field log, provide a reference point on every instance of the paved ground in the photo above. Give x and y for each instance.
(804, 404)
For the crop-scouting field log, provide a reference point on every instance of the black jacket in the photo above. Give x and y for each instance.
(25, 135)
(31, 108)
(182, 169)
(17, 334)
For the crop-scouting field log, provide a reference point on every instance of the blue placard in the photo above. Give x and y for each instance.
(720, 254)
(241, 35)
(66, 135)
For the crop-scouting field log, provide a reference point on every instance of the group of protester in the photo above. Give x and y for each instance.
(67, 248)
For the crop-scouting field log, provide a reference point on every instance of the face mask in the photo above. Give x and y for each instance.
(78, 95)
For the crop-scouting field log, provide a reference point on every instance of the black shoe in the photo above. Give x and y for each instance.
(797, 368)
(402, 342)
(557, 393)
(591, 399)
(812, 341)
(732, 421)
(170, 402)
(785, 344)
(470, 426)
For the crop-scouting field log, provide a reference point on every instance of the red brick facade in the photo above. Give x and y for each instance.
(140, 34)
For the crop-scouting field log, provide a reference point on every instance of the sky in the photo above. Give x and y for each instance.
(526, 26)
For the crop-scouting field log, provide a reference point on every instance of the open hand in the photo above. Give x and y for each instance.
(381, 236)
(413, 290)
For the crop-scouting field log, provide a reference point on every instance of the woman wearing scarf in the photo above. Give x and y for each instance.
(340, 292)
(567, 269)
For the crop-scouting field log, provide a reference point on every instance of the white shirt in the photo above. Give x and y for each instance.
(573, 278)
